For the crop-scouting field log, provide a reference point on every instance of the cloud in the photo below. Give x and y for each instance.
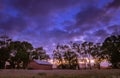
(93, 17)
(46, 22)
(89, 18)
(114, 29)
(44, 7)
(18, 14)
(101, 32)
(114, 4)
(13, 24)
(89, 15)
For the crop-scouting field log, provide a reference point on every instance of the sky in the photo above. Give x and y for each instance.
(49, 22)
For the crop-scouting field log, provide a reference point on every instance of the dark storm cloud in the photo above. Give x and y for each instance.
(114, 4)
(13, 23)
(43, 22)
(89, 19)
(101, 33)
(36, 11)
(37, 7)
(89, 16)
(33, 18)
(96, 36)
(114, 29)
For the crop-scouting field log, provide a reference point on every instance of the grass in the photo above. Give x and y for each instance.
(110, 73)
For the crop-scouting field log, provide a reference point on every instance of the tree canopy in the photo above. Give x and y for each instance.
(18, 53)
(111, 50)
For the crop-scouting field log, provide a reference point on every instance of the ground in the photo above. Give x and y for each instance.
(106, 73)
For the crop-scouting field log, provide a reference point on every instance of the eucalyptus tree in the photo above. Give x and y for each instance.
(66, 56)
(58, 56)
(111, 50)
(84, 53)
(97, 54)
(70, 57)
(76, 47)
(86, 50)
(4, 50)
(19, 53)
(90, 50)
(40, 53)
(4, 55)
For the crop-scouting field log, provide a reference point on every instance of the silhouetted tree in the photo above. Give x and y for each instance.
(96, 54)
(89, 51)
(76, 47)
(111, 50)
(66, 58)
(4, 50)
(87, 48)
(19, 53)
(4, 56)
(84, 53)
(58, 56)
(40, 54)
(70, 58)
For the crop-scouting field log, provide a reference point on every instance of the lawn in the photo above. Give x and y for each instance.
(109, 73)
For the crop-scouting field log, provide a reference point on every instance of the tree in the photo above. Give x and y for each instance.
(66, 58)
(97, 55)
(70, 58)
(4, 50)
(89, 51)
(87, 48)
(84, 53)
(76, 47)
(40, 54)
(4, 55)
(58, 56)
(111, 50)
(4, 40)
(19, 51)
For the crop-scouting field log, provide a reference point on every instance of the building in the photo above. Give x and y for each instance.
(39, 65)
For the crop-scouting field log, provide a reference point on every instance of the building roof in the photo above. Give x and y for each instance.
(42, 62)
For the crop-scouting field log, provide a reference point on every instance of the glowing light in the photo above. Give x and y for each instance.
(86, 60)
(92, 61)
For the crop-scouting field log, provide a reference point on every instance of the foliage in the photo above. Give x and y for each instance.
(4, 50)
(71, 54)
(18, 53)
(71, 59)
(40, 54)
(4, 55)
(97, 55)
(65, 57)
(111, 50)
(87, 48)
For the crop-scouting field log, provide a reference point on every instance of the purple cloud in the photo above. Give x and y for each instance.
(114, 4)
(48, 22)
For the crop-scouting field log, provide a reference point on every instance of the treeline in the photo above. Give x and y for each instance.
(69, 56)
(17, 54)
